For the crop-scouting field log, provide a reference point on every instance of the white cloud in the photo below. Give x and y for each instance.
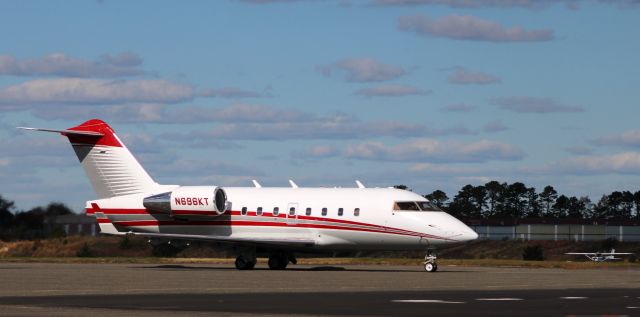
(184, 166)
(495, 126)
(579, 150)
(435, 151)
(363, 69)
(458, 108)
(471, 28)
(630, 138)
(620, 163)
(58, 64)
(527, 4)
(333, 126)
(232, 93)
(524, 104)
(318, 151)
(463, 76)
(392, 91)
(93, 91)
(160, 113)
(270, 1)
(472, 3)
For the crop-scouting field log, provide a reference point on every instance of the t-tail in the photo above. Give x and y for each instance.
(110, 166)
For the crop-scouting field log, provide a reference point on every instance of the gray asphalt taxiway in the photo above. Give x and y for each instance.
(42, 289)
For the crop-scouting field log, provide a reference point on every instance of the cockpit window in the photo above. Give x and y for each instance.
(405, 205)
(415, 206)
(428, 206)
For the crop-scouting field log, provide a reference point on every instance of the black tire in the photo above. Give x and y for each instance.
(244, 264)
(278, 262)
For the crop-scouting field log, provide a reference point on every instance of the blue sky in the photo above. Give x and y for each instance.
(434, 94)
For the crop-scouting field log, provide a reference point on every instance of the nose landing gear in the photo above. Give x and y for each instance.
(430, 264)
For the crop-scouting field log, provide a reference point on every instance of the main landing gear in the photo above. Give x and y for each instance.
(244, 262)
(277, 261)
(430, 264)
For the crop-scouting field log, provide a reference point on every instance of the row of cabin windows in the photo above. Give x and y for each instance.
(292, 211)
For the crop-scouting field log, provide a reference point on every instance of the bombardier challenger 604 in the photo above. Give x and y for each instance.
(278, 222)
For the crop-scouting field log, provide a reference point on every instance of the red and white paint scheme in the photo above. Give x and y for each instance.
(277, 221)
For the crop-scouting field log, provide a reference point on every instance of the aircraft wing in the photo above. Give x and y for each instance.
(107, 227)
(226, 239)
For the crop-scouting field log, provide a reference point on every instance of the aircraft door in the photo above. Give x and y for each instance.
(292, 213)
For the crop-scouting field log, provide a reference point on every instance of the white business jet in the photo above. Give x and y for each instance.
(275, 221)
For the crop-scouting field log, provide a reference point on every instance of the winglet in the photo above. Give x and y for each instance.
(360, 185)
(256, 184)
(293, 185)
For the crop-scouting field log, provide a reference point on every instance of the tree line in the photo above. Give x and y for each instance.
(34, 223)
(495, 200)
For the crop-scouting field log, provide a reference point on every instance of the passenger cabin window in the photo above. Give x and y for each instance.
(259, 211)
(340, 211)
(324, 211)
(292, 211)
(276, 211)
(415, 206)
(244, 211)
(308, 212)
(356, 212)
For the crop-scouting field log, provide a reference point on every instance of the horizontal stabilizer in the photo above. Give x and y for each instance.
(106, 226)
(64, 132)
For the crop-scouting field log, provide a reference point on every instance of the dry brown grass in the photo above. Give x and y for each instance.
(108, 249)
(335, 261)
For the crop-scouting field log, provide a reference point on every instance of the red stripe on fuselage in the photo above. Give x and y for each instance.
(146, 223)
(348, 223)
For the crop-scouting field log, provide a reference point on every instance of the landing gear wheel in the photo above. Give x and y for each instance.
(431, 267)
(243, 263)
(430, 261)
(278, 262)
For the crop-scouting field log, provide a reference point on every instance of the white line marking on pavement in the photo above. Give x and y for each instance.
(434, 301)
(574, 297)
(500, 299)
(633, 307)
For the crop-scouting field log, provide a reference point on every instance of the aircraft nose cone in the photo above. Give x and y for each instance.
(468, 234)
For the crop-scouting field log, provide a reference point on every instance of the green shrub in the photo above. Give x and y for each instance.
(125, 243)
(533, 253)
(85, 251)
(164, 250)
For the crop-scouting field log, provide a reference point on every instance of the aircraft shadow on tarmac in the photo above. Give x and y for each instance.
(305, 269)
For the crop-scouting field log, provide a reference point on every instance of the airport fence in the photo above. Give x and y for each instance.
(576, 232)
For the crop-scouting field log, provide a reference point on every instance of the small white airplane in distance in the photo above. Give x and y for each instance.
(601, 256)
(255, 220)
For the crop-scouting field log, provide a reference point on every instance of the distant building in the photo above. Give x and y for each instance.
(76, 224)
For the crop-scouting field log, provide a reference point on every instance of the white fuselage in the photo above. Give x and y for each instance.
(368, 220)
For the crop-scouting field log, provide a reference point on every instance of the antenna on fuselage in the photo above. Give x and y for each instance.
(256, 184)
(360, 185)
(293, 185)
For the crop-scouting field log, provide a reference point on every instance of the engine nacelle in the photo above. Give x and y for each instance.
(189, 201)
